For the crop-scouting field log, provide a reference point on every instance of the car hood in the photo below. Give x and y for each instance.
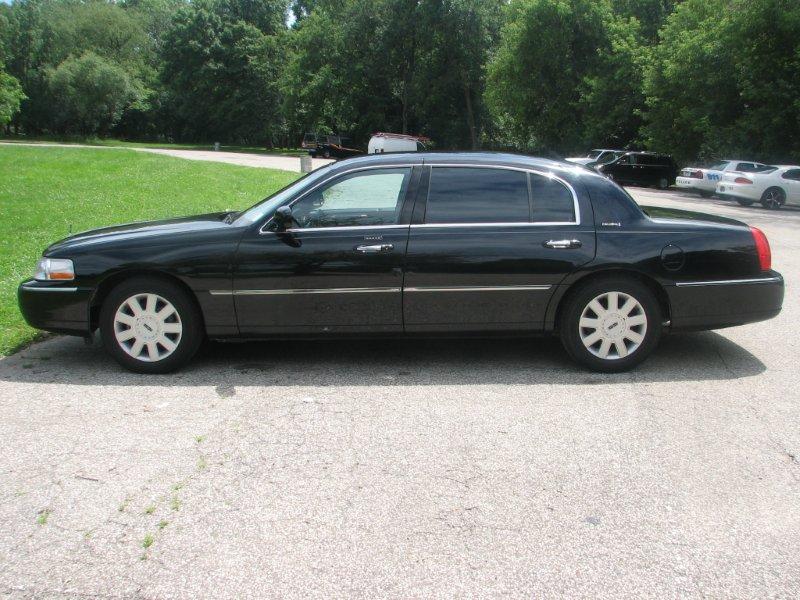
(580, 161)
(155, 229)
(674, 215)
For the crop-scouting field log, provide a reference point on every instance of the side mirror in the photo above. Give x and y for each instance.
(283, 217)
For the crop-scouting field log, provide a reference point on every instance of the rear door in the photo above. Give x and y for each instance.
(487, 247)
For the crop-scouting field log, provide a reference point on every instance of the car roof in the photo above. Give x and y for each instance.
(487, 158)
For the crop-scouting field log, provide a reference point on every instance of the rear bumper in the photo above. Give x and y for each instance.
(695, 185)
(58, 307)
(700, 305)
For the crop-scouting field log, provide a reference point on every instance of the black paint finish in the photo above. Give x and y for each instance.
(252, 280)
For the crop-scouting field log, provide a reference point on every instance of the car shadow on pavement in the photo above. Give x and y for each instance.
(384, 362)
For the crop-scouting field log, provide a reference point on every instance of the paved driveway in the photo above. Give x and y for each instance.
(398, 469)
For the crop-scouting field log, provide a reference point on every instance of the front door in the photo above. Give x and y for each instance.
(791, 183)
(338, 268)
(488, 248)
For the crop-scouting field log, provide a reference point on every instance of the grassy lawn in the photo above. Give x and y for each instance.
(166, 145)
(46, 191)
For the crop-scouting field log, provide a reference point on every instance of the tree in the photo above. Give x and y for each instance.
(725, 79)
(220, 73)
(612, 100)
(547, 49)
(11, 96)
(89, 94)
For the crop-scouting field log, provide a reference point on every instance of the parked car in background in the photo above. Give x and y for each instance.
(775, 187)
(382, 143)
(414, 244)
(641, 168)
(329, 146)
(705, 180)
(599, 157)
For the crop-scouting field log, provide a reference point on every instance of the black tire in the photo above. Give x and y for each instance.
(743, 202)
(663, 183)
(706, 194)
(579, 300)
(326, 153)
(773, 198)
(188, 316)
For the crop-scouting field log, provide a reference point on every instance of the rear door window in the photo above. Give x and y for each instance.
(477, 195)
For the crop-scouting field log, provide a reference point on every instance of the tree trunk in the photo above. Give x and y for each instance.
(473, 134)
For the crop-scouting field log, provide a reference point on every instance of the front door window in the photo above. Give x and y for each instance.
(364, 198)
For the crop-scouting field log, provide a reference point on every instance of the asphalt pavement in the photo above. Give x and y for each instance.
(411, 469)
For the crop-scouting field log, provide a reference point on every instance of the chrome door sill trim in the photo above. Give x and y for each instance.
(501, 288)
(729, 282)
(304, 291)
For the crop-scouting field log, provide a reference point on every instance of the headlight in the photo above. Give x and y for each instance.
(54, 269)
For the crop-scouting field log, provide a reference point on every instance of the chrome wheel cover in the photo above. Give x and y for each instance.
(148, 327)
(613, 325)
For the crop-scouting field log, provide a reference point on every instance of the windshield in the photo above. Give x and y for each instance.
(720, 166)
(594, 154)
(268, 205)
(608, 157)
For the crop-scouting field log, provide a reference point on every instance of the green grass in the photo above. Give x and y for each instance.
(107, 142)
(46, 192)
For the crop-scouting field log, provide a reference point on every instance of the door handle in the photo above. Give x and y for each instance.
(375, 249)
(562, 244)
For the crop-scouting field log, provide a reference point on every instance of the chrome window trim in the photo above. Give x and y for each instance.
(576, 204)
(729, 282)
(347, 228)
(291, 292)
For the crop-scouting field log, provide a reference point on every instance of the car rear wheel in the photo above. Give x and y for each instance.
(150, 325)
(706, 194)
(663, 183)
(611, 325)
(773, 198)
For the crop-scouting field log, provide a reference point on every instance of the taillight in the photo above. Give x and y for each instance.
(696, 175)
(762, 249)
(744, 180)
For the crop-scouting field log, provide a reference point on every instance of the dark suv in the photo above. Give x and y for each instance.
(642, 168)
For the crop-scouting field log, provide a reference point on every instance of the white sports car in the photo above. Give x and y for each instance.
(773, 188)
(704, 181)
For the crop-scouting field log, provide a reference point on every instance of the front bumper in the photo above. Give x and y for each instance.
(700, 305)
(55, 306)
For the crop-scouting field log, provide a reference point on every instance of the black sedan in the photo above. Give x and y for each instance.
(412, 244)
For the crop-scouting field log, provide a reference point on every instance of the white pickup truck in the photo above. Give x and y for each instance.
(705, 180)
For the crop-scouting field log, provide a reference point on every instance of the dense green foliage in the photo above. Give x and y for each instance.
(697, 78)
(48, 192)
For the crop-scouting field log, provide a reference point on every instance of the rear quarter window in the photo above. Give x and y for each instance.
(611, 204)
(551, 200)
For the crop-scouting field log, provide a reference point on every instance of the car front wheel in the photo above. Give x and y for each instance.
(611, 325)
(150, 325)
